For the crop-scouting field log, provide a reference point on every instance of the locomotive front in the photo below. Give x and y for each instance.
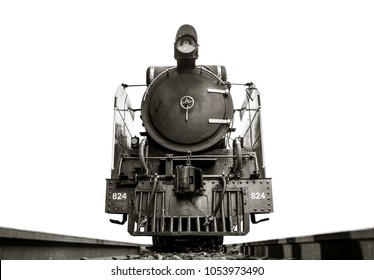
(186, 179)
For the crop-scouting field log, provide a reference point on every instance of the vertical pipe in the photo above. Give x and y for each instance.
(198, 224)
(189, 223)
(146, 212)
(179, 224)
(214, 203)
(229, 201)
(154, 212)
(223, 216)
(237, 211)
(163, 213)
(171, 224)
(140, 207)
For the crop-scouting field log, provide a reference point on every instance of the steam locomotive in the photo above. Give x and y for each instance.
(185, 178)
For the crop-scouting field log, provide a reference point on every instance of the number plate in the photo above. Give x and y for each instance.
(260, 196)
(117, 198)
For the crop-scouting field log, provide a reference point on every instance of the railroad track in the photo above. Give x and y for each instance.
(21, 244)
(30, 245)
(347, 245)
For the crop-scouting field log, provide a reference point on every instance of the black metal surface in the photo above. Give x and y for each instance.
(348, 245)
(216, 212)
(183, 128)
(18, 244)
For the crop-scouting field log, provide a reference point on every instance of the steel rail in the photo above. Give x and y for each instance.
(18, 244)
(347, 245)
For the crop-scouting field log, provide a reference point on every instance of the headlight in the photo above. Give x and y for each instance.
(186, 44)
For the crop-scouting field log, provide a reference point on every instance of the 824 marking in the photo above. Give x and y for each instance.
(258, 195)
(119, 196)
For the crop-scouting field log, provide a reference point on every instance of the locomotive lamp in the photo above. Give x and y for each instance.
(186, 47)
(186, 44)
(134, 142)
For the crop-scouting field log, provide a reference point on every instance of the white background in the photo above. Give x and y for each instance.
(61, 62)
(61, 270)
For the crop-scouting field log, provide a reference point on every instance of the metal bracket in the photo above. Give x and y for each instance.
(224, 92)
(253, 219)
(124, 220)
(219, 121)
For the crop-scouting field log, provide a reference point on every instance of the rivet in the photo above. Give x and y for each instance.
(246, 182)
(268, 192)
(269, 204)
(269, 209)
(260, 182)
(255, 209)
(262, 209)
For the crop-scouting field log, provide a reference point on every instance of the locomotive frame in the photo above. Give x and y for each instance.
(203, 190)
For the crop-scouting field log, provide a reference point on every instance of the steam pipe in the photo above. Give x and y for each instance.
(143, 153)
(238, 160)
